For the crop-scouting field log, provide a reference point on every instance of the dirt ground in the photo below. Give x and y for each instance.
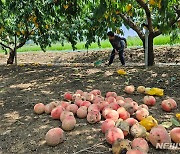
(22, 86)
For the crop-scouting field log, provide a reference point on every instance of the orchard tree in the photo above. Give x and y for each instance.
(158, 16)
(43, 22)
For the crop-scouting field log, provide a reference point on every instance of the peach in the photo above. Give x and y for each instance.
(129, 108)
(173, 102)
(64, 114)
(72, 108)
(138, 131)
(89, 97)
(68, 123)
(166, 105)
(111, 94)
(140, 143)
(49, 107)
(110, 99)
(135, 105)
(102, 105)
(93, 117)
(79, 92)
(175, 134)
(143, 106)
(120, 146)
(97, 99)
(141, 89)
(39, 108)
(119, 98)
(141, 114)
(131, 121)
(121, 103)
(113, 134)
(107, 124)
(76, 97)
(128, 100)
(54, 136)
(149, 100)
(113, 106)
(64, 104)
(86, 103)
(95, 92)
(93, 107)
(105, 112)
(82, 112)
(135, 151)
(159, 134)
(56, 112)
(123, 114)
(78, 102)
(112, 114)
(68, 96)
(124, 126)
(129, 89)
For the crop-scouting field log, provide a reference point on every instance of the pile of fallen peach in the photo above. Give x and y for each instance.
(122, 117)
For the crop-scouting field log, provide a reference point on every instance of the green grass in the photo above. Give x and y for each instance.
(132, 42)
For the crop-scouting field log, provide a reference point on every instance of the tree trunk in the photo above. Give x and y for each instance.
(150, 50)
(11, 57)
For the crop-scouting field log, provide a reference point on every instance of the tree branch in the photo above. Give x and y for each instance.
(148, 14)
(5, 46)
(132, 25)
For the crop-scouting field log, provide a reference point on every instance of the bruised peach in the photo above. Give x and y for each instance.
(78, 102)
(140, 143)
(64, 104)
(113, 106)
(141, 89)
(166, 105)
(82, 112)
(54, 136)
(97, 99)
(68, 123)
(64, 114)
(107, 124)
(93, 107)
(72, 108)
(79, 92)
(113, 134)
(119, 98)
(129, 89)
(49, 107)
(123, 114)
(149, 100)
(128, 100)
(68, 96)
(141, 114)
(102, 105)
(131, 121)
(56, 112)
(76, 97)
(95, 92)
(110, 99)
(173, 103)
(129, 108)
(93, 117)
(39, 108)
(138, 131)
(121, 103)
(175, 134)
(159, 134)
(124, 126)
(105, 112)
(89, 97)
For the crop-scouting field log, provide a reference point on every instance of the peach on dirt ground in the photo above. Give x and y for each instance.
(159, 134)
(140, 143)
(39, 108)
(64, 114)
(56, 112)
(113, 115)
(54, 136)
(129, 89)
(72, 108)
(113, 134)
(111, 94)
(107, 124)
(175, 134)
(141, 89)
(138, 131)
(93, 117)
(149, 100)
(68, 96)
(141, 114)
(82, 112)
(68, 123)
(93, 107)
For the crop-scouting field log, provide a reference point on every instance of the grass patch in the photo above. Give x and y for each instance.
(132, 42)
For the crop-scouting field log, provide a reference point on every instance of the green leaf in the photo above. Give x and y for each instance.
(166, 124)
(175, 122)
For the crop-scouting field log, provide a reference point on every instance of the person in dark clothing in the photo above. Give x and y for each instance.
(118, 43)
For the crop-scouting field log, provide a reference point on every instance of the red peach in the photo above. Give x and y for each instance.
(119, 98)
(72, 108)
(78, 102)
(166, 105)
(86, 103)
(93, 107)
(141, 114)
(131, 121)
(49, 107)
(173, 102)
(113, 106)
(107, 124)
(68, 123)
(121, 103)
(105, 112)
(79, 92)
(175, 134)
(129, 89)
(93, 117)
(128, 100)
(113, 134)
(140, 143)
(110, 99)
(149, 100)
(95, 92)
(68, 96)
(112, 114)
(82, 112)
(102, 105)
(54, 136)
(97, 99)
(143, 106)
(64, 114)
(111, 94)
(123, 114)
(56, 112)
